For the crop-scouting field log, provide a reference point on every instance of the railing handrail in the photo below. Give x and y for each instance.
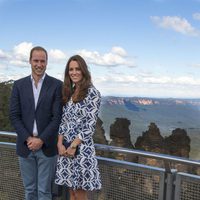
(148, 154)
(103, 147)
(7, 133)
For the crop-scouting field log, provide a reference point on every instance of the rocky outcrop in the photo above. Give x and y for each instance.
(99, 134)
(151, 140)
(120, 136)
(99, 137)
(120, 133)
(178, 143)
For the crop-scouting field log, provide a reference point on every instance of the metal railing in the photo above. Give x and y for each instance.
(121, 180)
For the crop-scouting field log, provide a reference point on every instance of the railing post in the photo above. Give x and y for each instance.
(169, 192)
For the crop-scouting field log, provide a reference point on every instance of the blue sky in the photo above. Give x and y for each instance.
(145, 48)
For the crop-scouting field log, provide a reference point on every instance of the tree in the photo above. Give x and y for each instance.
(5, 91)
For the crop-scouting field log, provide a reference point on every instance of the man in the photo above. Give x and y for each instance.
(35, 112)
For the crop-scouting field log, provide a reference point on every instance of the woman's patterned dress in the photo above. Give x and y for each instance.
(79, 119)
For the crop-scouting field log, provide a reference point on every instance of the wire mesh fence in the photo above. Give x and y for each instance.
(121, 180)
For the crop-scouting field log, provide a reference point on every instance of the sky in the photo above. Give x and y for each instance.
(133, 48)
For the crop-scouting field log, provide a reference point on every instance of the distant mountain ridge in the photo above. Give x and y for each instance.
(150, 101)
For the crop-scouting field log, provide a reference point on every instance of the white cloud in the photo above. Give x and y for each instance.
(118, 83)
(149, 79)
(117, 57)
(119, 51)
(22, 50)
(19, 55)
(20, 63)
(157, 80)
(6, 77)
(2, 66)
(56, 54)
(166, 80)
(4, 55)
(196, 16)
(185, 80)
(175, 23)
(195, 65)
(152, 86)
(126, 79)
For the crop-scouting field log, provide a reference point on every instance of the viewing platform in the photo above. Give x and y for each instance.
(175, 179)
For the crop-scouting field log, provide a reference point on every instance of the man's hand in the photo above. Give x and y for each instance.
(34, 143)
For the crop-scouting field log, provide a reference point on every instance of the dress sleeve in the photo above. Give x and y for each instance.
(62, 127)
(88, 121)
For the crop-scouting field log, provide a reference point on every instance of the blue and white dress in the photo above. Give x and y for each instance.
(79, 120)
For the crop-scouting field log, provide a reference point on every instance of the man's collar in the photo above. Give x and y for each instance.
(44, 75)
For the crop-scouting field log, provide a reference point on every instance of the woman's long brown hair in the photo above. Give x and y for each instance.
(84, 84)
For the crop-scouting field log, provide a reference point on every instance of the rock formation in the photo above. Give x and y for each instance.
(151, 140)
(178, 143)
(120, 135)
(99, 137)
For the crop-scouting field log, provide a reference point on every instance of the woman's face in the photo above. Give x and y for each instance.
(75, 72)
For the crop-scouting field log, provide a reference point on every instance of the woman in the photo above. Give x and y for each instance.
(77, 165)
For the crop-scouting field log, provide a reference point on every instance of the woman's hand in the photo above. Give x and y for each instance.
(61, 149)
(60, 146)
(70, 152)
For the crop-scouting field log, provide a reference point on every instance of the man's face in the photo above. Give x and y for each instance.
(38, 63)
